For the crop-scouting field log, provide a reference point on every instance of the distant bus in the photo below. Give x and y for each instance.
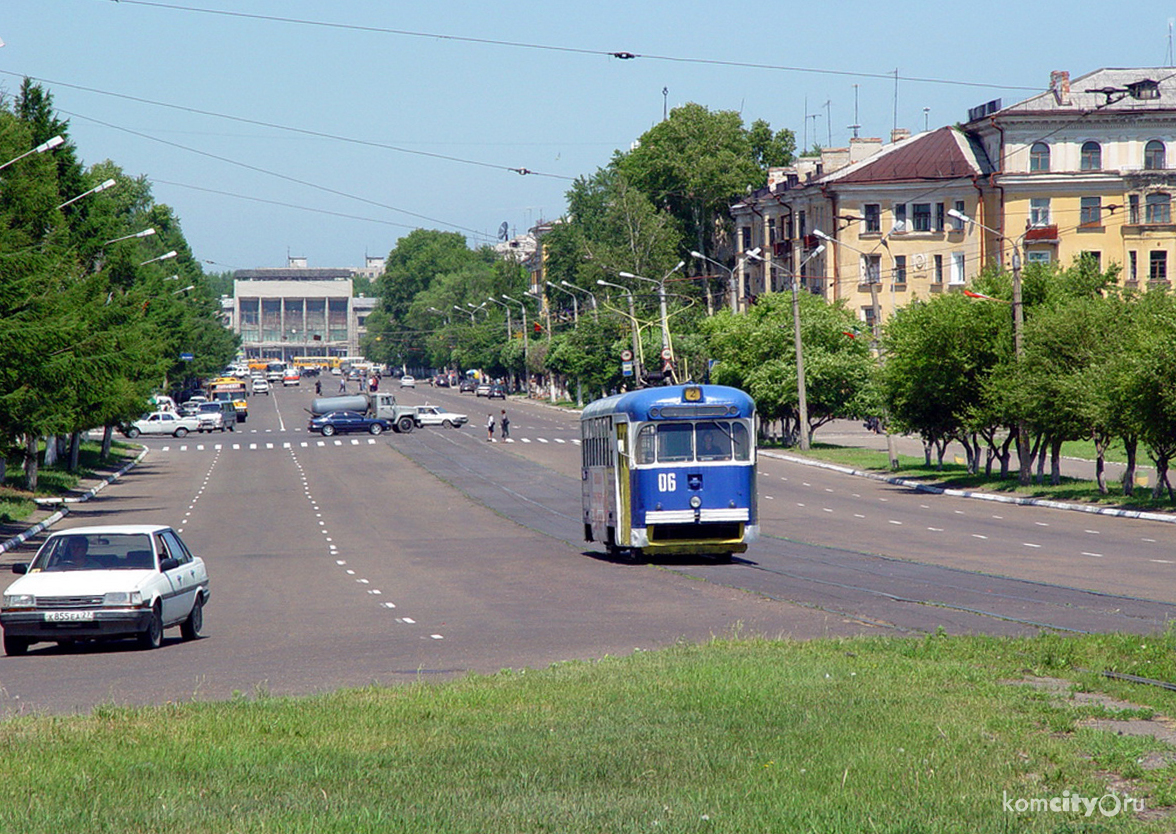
(317, 361)
(232, 389)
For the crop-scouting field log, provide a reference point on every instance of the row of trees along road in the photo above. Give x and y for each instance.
(88, 328)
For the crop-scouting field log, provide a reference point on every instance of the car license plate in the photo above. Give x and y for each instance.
(68, 616)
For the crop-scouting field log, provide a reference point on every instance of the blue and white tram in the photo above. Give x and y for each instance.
(670, 470)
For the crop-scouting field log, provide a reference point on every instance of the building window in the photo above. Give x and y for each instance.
(872, 212)
(1093, 259)
(1158, 268)
(938, 269)
(900, 269)
(871, 269)
(1158, 208)
(1037, 257)
(940, 216)
(801, 224)
(922, 217)
(1133, 266)
(771, 230)
(1133, 209)
(900, 217)
(1039, 157)
(744, 238)
(1091, 214)
(1039, 212)
(957, 267)
(1091, 157)
(1153, 156)
(957, 225)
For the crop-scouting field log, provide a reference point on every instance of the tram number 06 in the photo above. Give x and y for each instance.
(667, 481)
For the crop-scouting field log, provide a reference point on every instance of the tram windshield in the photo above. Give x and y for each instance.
(711, 441)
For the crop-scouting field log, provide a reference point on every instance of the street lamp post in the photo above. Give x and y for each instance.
(102, 186)
(145, 233)
(165, 256)
(661, 297)
(41, 148)
(507, 306)
(637, 358)
(464, 310)
(1018, 327)
(573, 287)
(732, 294)
(545, 308)
(801, 386)
(891, 450)
(526, 348)
(575, 304)
(441, 313)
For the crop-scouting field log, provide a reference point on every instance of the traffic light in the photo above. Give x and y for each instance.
(538, 327)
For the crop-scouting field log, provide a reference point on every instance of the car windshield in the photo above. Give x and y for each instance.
(116, 551)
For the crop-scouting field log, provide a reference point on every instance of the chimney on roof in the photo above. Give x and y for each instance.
(1059, 85)
(900, 133)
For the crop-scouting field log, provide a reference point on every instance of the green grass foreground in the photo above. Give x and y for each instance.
(742, 735)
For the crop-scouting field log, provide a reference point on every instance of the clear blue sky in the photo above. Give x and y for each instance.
(438, 109)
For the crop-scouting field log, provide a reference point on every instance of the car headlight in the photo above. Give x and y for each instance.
(123, 598)
(695, 502)
(19, 601)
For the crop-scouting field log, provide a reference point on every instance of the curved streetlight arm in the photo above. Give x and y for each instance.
(102, 186)
(144, 233)
(165, 256)
(41, 148)
(580, 289)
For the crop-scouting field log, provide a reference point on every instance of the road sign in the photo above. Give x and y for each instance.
(626, 356)
(626, 369)
(667, 354)
(186, 357)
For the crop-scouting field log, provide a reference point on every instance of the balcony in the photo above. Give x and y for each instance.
(1042, 234)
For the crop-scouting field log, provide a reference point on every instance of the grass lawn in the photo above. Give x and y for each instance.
(16, 499)
(931, 734)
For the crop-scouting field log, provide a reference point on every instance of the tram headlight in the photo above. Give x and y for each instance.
(695, 502)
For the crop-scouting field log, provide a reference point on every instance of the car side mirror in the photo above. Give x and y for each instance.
(20, 567)
(169, 564)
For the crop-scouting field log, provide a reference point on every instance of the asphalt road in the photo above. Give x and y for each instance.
(356, 560)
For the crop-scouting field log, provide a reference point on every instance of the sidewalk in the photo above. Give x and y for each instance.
(846, 433)
(51, 510)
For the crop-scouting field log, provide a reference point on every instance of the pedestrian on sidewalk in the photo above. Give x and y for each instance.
(505, 425)
(490, 427)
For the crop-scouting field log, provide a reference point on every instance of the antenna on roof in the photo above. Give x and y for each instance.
(1170, 22)
(855, 126)
(503, 231)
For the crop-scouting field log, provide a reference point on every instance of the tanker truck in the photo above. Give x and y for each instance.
(382, 405)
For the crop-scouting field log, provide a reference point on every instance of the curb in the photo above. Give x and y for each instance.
(63, 505)
(982, 496)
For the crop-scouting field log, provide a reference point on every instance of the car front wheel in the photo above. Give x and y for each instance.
(181, 432)
(447, 424)
(15, 645)
(132, 432)
(152, 636)
(190, 629)
(376, 428)
(328, 431)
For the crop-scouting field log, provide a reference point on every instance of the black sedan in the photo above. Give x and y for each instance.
(341, 422)
(496, 392)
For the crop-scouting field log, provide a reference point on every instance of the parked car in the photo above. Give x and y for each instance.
(435, 415)
(192, 405)
(407, 381)
(342, 422)
(292, 377)
(163, 422)
(483, 389)
(109, 582)
(496, 392)
(260, 386)
(466, 386)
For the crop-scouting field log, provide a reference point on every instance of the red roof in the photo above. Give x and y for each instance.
(932, 156)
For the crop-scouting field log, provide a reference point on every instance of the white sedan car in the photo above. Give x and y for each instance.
(164, 422)
(407, 381)
(435, 415)
(98, 583)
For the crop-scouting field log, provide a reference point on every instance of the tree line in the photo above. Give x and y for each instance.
(92, 319)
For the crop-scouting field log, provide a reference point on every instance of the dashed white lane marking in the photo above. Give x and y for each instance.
(1095, 555)
(935, 529)
(1092, 532)
(978, 536)
(1161, 561)
(1041, 523)
(858, 515)
(526, 440)
(559, 440)
(1029, 544)
(826, 510)
(892, 521)
(1152, 541)
(770, 497)
(543, 440)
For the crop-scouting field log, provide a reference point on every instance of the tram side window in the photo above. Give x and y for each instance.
(675, 442)
(742, 440)
(713, 442)
(646, 444)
